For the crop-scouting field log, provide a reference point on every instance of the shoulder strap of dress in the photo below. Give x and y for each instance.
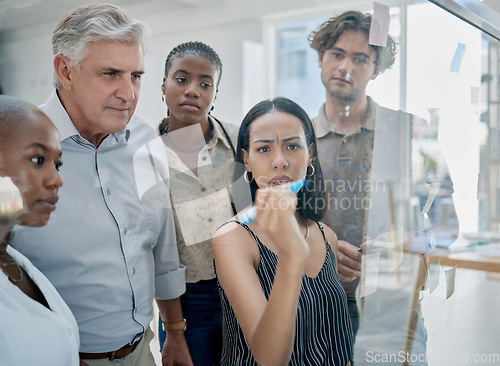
(323, 232)
(243, 225)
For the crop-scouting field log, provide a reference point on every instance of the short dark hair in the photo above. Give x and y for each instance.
(329, 32)
(198, 49)
(311, 196)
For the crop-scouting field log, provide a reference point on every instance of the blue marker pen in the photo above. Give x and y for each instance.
(248, 216)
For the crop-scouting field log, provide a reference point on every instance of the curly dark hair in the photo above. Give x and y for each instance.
(329, 32)
(195, 48)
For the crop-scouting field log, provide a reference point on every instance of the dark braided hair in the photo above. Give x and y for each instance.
(196, 49)
(329, 32)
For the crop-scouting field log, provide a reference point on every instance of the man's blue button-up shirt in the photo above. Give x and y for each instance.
(109, 247)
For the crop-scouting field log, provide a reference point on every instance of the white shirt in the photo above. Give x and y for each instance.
(31, 334)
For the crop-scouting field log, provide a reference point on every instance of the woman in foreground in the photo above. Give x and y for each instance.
(281, 297)
(37, 327)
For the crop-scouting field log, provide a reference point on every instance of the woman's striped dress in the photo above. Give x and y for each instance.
(323, 328)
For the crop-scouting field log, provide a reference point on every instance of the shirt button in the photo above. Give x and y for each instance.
(108, 191)
(203, 189)
(344, 139)
(204, 158)
(209, 219)
(124, 230)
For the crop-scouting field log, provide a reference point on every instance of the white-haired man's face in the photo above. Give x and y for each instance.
(101, 96)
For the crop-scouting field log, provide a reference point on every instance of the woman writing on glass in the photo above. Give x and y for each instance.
(281, 297)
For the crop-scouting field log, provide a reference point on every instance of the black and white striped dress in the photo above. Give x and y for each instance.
(323, 333)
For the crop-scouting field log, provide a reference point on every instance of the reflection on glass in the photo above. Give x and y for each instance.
(447, 76)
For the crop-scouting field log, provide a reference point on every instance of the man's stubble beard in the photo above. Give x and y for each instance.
(344, 97)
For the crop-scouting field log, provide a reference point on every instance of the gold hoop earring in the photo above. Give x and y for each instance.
(313, 170)
(245, 176)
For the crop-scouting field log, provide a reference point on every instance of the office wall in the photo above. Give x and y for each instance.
(235, 29)
(26, 67)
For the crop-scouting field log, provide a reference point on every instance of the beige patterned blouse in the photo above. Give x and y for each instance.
(201, 201)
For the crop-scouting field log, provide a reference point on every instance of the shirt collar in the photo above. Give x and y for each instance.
(218, 134)
(323, 125)
(371, 114)
(54, 109)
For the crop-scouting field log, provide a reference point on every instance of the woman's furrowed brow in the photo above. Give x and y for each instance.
(266, 141)
(270, 141)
